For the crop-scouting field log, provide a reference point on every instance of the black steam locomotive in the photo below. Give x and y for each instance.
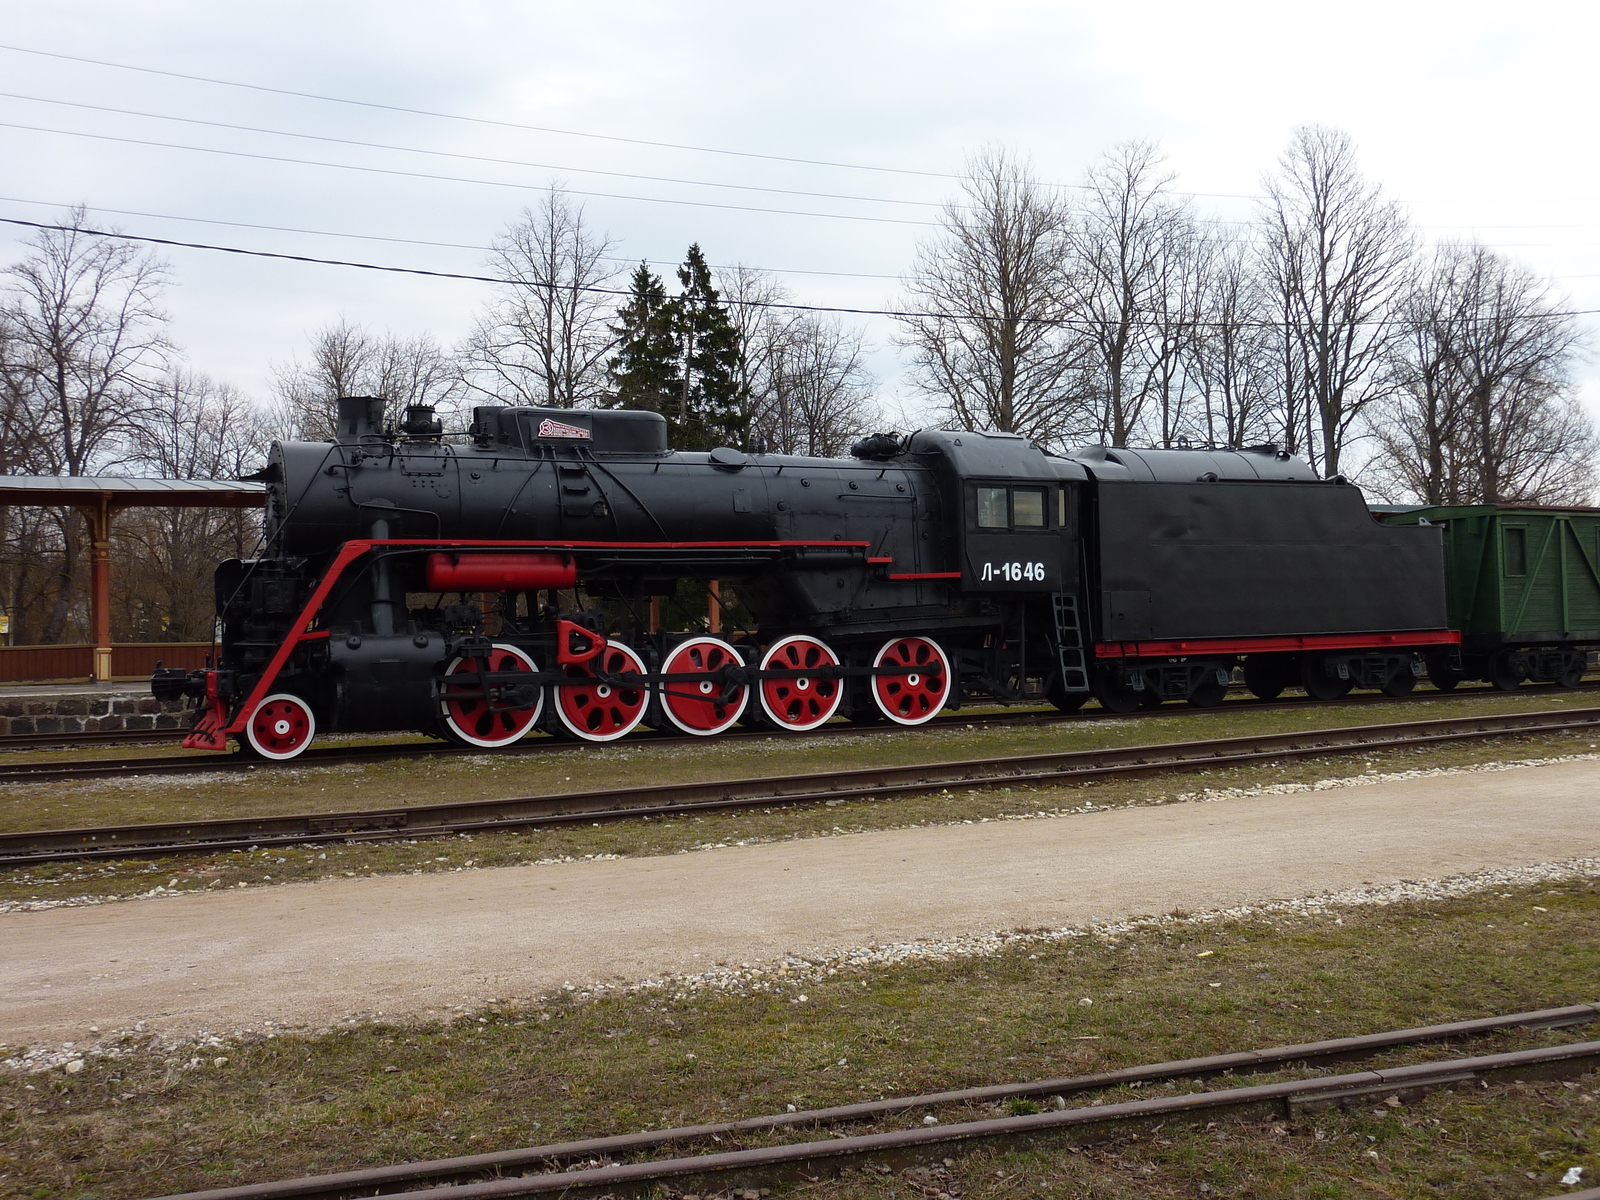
(565, 570)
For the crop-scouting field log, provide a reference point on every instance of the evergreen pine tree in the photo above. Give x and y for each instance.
(645, 370)
(712, 404)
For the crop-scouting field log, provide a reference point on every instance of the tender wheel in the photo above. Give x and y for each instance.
(1265, 677)
(1400, 683)
(1116, 697)
(699, 707)
(1504, 672)
(1064, 700)
(1209, 692)
(1319, 684)
(281, 727)
(601, 712)
(806, 702)
(917, 691)
(470, 719)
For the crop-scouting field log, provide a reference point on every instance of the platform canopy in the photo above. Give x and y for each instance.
(98, 498)
(124, 491)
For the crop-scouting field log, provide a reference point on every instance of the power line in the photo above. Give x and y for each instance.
(808, 162)
(604, 137)
(373, 237)
(444, 116)
(483, 158)
(781, 305)
(523, 187)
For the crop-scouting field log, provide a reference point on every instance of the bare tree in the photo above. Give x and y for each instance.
(1230, 356)
(1484, 409)
(805, 376)
(346, 360)
(819, 393)
(545, 337)
(752, 298)
(989, 297)
(192, 428)
(86, 341)
(1132, 249)
(1338, 254)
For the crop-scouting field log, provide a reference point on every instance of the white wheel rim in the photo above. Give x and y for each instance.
(578, 731)
(912, 679)
(705, 688)
(801, 685)
(495, 743)
(279, 755)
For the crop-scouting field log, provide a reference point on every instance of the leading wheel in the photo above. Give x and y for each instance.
(281, 727)
(597, 711)
(468, 715)
(804, 702)
(919, 685)
(702, 707)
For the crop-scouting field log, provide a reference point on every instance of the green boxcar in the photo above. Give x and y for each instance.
(1524, 590)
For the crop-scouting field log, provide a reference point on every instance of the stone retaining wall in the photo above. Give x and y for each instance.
(90, 713)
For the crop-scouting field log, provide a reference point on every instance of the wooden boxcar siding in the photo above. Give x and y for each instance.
(1558, 596)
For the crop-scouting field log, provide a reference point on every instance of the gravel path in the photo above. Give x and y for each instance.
(311, 954)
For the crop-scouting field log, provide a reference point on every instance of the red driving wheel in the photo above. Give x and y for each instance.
(917, 691)
(281, 727)
(468, 715)
(596, 711)
(804, 702)
(698, 706)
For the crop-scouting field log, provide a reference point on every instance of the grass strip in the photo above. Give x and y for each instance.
(271, 1104)
(69, 881)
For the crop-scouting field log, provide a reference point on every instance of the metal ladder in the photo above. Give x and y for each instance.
(1069, 643)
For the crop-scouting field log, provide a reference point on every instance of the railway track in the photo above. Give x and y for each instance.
(336, 755)
(596, 1164)
(817, 787)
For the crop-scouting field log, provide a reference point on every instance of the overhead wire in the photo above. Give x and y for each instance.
(657, 144)
(374, 237)
(445, 116)
(482, 158)
(497, 183)
(503, 124)
(782, 305)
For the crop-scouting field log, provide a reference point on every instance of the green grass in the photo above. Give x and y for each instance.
(167, 1119)
(642, 837)
(272, 790)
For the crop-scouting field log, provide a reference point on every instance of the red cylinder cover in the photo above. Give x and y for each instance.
(500, 572)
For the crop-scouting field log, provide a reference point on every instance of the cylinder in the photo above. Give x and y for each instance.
(500, 572)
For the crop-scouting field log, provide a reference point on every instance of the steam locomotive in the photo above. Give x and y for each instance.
(565, 570)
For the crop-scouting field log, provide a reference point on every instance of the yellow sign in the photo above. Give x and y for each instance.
(5, 624)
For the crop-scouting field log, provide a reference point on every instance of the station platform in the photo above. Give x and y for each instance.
(31, 708)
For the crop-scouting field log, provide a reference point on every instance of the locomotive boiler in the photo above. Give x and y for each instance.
(555, 571)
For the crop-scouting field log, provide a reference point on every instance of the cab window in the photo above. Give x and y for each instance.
(1027, 507)
(992, 508)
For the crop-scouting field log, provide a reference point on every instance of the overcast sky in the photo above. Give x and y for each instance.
(1479, 117)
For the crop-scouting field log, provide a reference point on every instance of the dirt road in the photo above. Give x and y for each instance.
(411, 945)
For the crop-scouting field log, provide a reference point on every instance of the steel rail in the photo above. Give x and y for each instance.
(685, 799)
(1295, 1095)
(325, 755)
